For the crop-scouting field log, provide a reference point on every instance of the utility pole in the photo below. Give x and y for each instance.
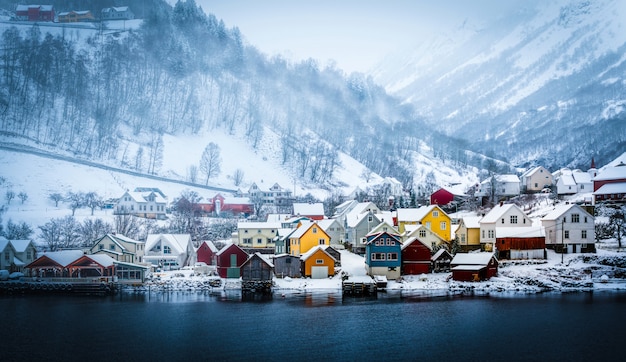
(562, 238)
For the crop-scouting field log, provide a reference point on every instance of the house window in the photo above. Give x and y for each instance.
(392, 256)
(575, 218)
(167, 250)
(585, 219)
(259, 241)
(462, 238)
(287, 260)
(428, 225)
(6, 256)
(112, 246)
(100, 247)
(503, 220)
(378, 256)
(422, 233)
(435, 213)
(583, 234)
(566, 234)
(247, 240)
(491, 234)
(258, 231)
(513, 219)
(314, 230)
(483, 234)
(245, 231)
(322, 242)
(388, 241)
(132, 207)
(319, 261)
(150, 207)
(443, 226)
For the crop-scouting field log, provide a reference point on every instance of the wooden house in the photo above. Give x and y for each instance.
(569, 228)
(207, 253)
(440, 261)
(75, 16)
(447, 195)
(317, 263)
(34, 13)
(383, 255)
(229, 260)
(286, 265)
(426, 235)
(335, 254)
(257, 273)
(610, 184)
(169, 251)
(473, 266)
(120, 248)
(501, 215)
(415, 257)
(256, 235)
(307, 236)
(220, 205)
(433, 217)
(520, 243)
(500, 186)
(335, 230)
(468, 233)
(536, 179)
(117, 13)
(16, 254)
(143, 202)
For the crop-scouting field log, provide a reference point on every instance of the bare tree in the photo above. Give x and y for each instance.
(19, 231)
(23, 196)
(50, 233)
(9, 196)
(192, 173)
(56, 197)
(128, 225)
(210, 163)
(92, 200)
(238, 177)
(90, 230)
(75, 200)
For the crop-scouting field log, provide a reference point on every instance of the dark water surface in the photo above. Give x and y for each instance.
(190, 326)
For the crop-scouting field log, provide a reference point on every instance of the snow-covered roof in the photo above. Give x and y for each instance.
(125, 238)
(64, 257)
(456, 190)
(520, 232)
(412, 240)
(612, 173)
(614, 188)
(211, 246)
(471, 258)
(472, 222)
(3, 243)
(277, 217)
(497, 212)
(414, 214)
(503, 179)
(263, 257)
(560, 210)
(138, 196)
(313, 250)
(567, 180)
(305, 208)
(581, 177)
(102, 259)
(227, 246)
(438, 254)
(179, 242)
(258, 225)
(306, 225)
(41, 7)
(468, 267)
(353, 219)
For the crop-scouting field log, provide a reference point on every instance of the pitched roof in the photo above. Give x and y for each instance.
(19, 245)
(179, 242)
(481, 258)
(614, 188)
(497, 212)
(64, 257)
(560, 209)
(612, 173)
(313, 250)
(305, 208)
(472, 222)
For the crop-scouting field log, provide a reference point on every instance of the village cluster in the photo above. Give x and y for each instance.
(306, 243)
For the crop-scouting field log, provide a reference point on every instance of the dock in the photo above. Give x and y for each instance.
(359, 286)
(53, 287)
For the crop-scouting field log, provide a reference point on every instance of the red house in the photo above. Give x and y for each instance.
(34, 13)
(415, 257)
(468, 267)
(207, 253)
(446, 195)
(220, 205)
(610, 184)
(229, 261)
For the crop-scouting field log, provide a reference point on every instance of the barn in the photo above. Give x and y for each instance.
(473, 266)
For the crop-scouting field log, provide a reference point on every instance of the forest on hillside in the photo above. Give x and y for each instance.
(113, 96)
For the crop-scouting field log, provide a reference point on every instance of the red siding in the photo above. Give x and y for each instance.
(441, 197)
(505, 244)
(205, 255)
(415, 258)
(223, 259)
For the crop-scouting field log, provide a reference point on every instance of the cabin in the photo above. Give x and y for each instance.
(257, 273)
(207, 253)
(75, 16)
(117, 13)
(169, 251)
(468, 267)
(286, 265)
(536, 179)
(610, 184)
(448, 196)
(229, 260)
(317, 263)
(415, 257)
(441, 261)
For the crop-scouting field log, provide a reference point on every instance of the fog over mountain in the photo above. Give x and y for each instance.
(544, 84)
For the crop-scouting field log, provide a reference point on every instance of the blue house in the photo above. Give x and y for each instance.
(383, 254)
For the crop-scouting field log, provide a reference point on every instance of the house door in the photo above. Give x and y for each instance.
(319, 272)
(233, 260)
(233, 271)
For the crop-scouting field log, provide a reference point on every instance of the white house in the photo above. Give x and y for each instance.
(169, 251)
(117, 13)
(569, 228)
(505, 185)
(143, 202)
(536, 179)
(502, 215)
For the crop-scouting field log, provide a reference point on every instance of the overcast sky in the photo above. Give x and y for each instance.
(356, 34)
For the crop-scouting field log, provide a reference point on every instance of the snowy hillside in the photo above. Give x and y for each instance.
(511, 85)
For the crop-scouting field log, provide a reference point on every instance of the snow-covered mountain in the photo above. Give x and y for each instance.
(542, 84)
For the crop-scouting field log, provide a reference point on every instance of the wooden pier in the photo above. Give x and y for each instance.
(55, 287)
(359, 286)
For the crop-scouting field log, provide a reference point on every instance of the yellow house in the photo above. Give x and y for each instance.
(307, 236)
(433, 217)
(468, 233)
(317, 263)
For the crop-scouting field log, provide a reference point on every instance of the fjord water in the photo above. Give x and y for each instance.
(195, 326)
